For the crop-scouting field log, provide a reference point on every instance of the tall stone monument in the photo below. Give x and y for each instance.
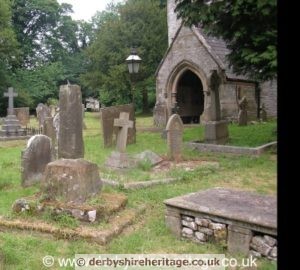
(11, 126)
(71, 178)
(216, 130)
(70, 135)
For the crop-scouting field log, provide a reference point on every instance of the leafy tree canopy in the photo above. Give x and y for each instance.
(248, 26)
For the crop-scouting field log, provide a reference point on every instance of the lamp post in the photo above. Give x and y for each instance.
(133, 61)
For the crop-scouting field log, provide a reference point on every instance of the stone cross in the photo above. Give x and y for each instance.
(10, 94)
(242, 116)
(124, 124)
(215, 81)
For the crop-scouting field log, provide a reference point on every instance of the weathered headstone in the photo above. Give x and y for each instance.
(124, 124)
(23, 115)
(174, 130)
(215, 130)
(160, 112)
(53, 109)
(35, 158)
(242, 116)
(107, 122)
(92, 104)
(120, 159)
(83, 114)
(56, 121)
(42, 111)
(263, 113)
(70, 137)
(49, 130)
(71, 180)
(11, 126)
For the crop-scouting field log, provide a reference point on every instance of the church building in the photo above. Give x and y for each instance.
(182, 78)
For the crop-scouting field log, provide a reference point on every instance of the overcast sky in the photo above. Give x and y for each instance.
(85, 9)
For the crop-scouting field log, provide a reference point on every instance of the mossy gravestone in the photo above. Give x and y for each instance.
(71, 180)
(35, 158)
(70, 136)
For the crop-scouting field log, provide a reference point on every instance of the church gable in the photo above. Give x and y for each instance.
(186, 46)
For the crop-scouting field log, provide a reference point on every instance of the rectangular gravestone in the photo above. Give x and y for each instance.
(22, 115)
(107, 122)
(70, 135)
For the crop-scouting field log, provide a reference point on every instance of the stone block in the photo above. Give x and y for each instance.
(202, 222)
(216, 132)
(189, 224)
(259, 244)
(71, 180)
(238, 239)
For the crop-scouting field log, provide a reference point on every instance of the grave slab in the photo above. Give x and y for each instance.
(243, 213)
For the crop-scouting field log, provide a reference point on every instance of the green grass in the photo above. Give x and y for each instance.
(150, 235)
(250, 135)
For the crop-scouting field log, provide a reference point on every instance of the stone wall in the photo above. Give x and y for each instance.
(269, 97)
(228, 100)
(264, 246)
(203, 230)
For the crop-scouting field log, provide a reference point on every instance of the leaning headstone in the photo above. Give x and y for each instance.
(107, 122)
(242, 116)
(70, 136)
(174, 130)
(42, 111)
(35, 158)
(71, 180)
(23, 115)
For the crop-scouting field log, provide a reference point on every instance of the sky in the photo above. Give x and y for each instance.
(85, 9)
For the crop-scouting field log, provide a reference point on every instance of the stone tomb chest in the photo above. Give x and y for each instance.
(245, 221)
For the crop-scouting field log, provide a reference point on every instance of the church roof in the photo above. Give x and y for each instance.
(217, 48)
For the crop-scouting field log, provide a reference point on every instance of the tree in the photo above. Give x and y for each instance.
(9, 52)
(137, 23)
(249, 27)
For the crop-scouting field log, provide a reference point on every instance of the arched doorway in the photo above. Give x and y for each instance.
(189, 97)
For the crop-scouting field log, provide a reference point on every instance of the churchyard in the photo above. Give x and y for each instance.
(145, 230)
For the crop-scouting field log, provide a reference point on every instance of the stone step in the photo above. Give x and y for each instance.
(100, 236)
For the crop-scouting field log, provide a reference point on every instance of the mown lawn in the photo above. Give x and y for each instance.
(25, 250)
